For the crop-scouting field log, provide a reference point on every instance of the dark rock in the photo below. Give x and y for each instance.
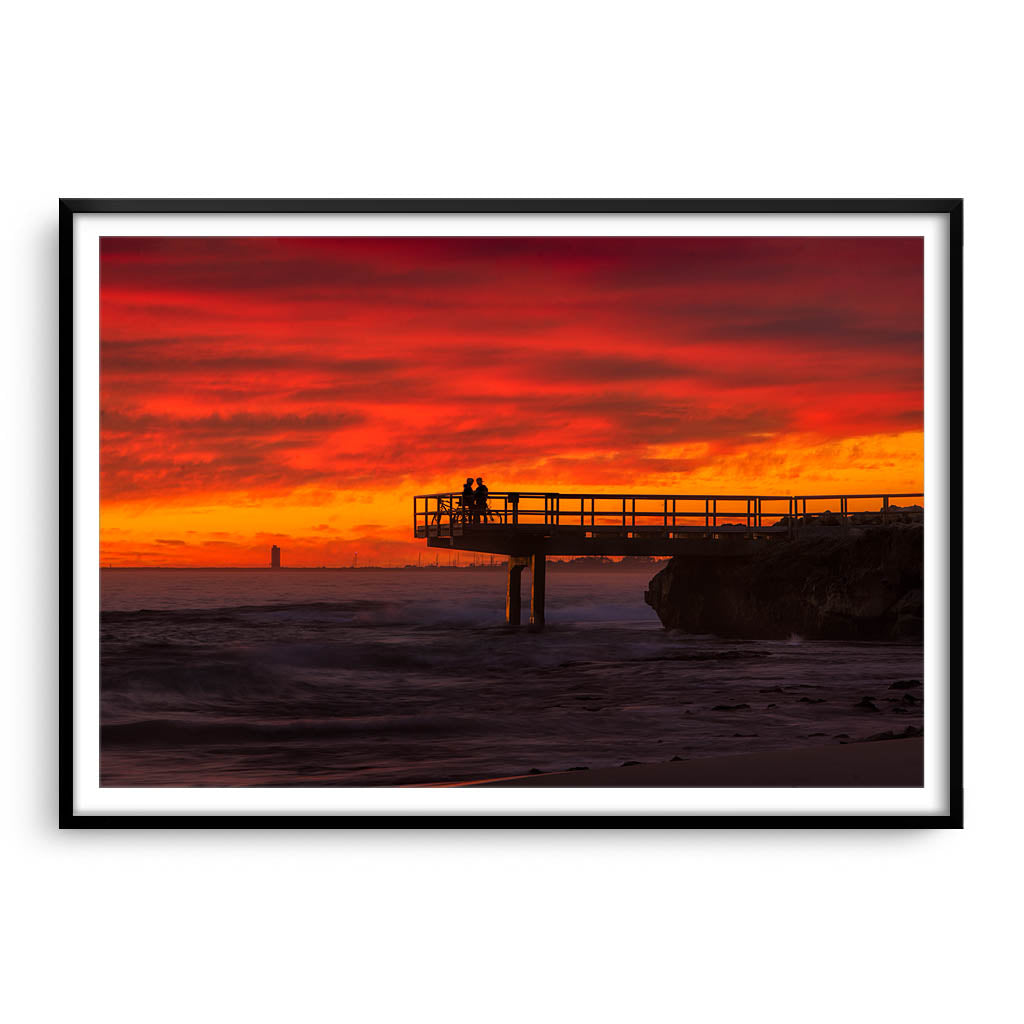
(811, 700)
(891, 515)
(841, 584)
(731, 707)
(677, 758)
(841, 736)
(909, 612)
(744, 735)
(628, 764)
(907, 733)
(770, 706)
(909, 698)
(534, 771)
(904, 684)
(866, 704)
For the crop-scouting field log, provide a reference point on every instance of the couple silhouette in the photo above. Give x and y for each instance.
(473, 504)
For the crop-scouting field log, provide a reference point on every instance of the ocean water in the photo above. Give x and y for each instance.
(391, 677)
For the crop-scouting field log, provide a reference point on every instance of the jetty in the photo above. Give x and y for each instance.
(529, 527)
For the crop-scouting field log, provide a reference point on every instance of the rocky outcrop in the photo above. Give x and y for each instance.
(858, 584)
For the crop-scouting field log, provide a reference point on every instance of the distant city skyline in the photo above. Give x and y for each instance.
(435, 559)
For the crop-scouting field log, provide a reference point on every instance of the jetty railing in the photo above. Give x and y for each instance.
(441, 515)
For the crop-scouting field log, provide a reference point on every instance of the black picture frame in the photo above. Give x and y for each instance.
(70, 208)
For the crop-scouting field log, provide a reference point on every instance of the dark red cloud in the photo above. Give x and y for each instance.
(265, 364)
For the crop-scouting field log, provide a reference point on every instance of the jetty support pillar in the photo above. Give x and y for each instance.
(513, 597)
(538, 571)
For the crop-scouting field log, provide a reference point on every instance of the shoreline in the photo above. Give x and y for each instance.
(896, 763)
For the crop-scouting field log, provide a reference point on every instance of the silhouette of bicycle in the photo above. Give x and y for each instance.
(453, 511)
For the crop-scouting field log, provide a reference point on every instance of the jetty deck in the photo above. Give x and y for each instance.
(528, 527)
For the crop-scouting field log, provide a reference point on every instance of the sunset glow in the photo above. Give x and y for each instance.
(299, 391)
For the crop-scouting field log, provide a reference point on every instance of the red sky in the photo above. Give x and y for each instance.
(299, 391)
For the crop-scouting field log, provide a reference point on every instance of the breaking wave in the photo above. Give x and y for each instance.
(390, 678)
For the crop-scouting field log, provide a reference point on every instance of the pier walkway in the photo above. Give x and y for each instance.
(530, 526)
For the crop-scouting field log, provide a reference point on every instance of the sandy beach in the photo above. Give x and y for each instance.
(884, 763)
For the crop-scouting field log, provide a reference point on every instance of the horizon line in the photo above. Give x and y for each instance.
(562, 560)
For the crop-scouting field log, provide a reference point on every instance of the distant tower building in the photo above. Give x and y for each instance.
(275, 557)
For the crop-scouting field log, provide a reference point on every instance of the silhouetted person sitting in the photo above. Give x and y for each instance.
(468, 499)
(480, 501)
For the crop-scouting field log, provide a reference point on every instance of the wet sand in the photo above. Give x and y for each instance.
(886, 763)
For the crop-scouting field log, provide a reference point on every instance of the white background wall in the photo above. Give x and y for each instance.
(525, 99)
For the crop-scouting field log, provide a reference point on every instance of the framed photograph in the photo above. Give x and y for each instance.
(536, 513)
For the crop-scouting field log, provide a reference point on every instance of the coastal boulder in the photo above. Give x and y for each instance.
(858, 584)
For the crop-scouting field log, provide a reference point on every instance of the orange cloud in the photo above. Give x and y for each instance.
(299, 390)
